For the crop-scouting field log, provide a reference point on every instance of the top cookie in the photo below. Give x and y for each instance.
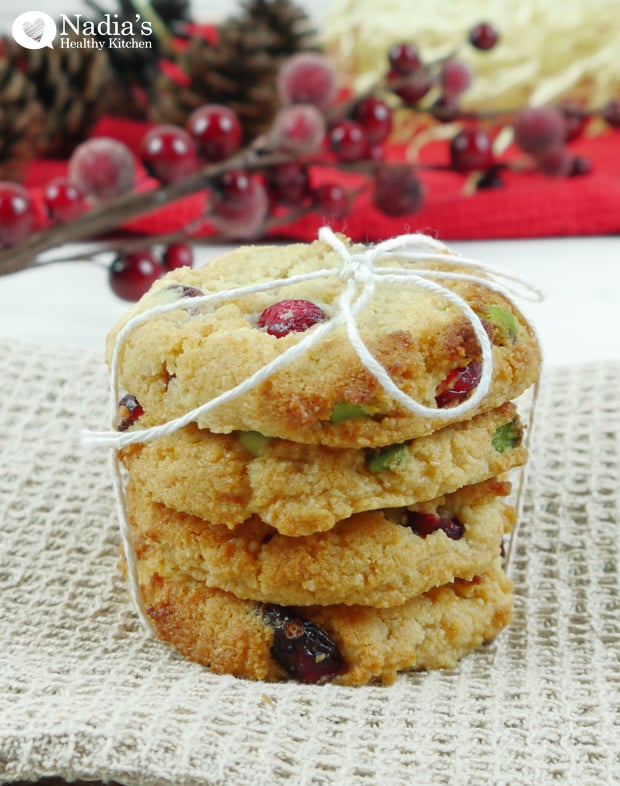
(176, 361)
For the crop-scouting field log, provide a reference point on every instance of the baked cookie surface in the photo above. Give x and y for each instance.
(177, 361)
(351, 645)
(380, 558)
(301, 489)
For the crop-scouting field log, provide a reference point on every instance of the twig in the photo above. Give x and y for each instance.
(113, 213)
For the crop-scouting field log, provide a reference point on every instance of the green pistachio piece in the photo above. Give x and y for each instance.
(344, 410)
(393, 457)
(254, 442)
(507, 436)
(504, 319)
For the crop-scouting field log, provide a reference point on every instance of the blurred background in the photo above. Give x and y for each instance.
(507, 196)
(204, 10)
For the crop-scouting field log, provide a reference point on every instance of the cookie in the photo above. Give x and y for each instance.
(302, 489)
(176, 361)
(379, 558)
(351, 645)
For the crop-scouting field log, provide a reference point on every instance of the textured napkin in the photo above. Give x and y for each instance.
(86, 694)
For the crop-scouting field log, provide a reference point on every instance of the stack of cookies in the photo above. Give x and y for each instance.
(309, 526)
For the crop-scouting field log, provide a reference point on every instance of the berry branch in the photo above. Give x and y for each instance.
(110, 214)
(251, 190)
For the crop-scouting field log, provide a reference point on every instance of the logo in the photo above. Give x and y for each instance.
(34, 30)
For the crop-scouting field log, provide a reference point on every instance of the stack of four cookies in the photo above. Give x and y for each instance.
(312, 527)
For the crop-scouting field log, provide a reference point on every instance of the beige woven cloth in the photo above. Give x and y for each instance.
(86, 694)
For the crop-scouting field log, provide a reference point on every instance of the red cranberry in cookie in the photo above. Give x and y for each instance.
(458, 384)
(424, 524)
(290, 316)
(129, 410)
(302, 648)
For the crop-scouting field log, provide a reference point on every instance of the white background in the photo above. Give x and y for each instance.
(71, 303)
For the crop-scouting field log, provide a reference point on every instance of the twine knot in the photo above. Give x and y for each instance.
(357, 267)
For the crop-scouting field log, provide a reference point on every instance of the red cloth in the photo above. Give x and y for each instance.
(529, 205)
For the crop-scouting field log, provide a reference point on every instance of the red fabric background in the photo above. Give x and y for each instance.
(530, 205)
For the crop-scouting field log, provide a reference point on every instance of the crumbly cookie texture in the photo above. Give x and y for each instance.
(301, 489)
(351, 645)
(175, 362)
(380, 558)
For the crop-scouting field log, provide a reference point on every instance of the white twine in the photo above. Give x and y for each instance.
(522, 485)
(358, 269)
(361, 277)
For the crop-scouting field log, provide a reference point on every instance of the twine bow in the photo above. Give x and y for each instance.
(361, 276)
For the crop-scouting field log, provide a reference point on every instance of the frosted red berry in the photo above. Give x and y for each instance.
(331, 200)
(129, 410)
(64, 201)
(539, 129)
(301, 647)
(483, 36)
(348, 141)
(288, 183)
(178, 255)
(239, 205)
(424, 524)
(375, 116)
(216, 131)
(458, 384)
(168, 153)
(290, 316)
(455, 77)
(131, 274)
(471, 149)
(298, 129)
(307, 78)
(404, 58)
(17, 213)
(397, 190)
(102, 168)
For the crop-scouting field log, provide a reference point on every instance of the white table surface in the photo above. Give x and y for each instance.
(579, 320)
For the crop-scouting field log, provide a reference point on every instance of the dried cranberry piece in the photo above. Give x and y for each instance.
(290, 316)
(129, 410)
(184, 290)
(458, 384)
(424, 524)
(302, 648)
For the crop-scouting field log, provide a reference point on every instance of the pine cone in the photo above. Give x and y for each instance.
(134, 71)
(69, 84)
(21, 119)
(240, 70)
(172, 12)
(290, 24)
